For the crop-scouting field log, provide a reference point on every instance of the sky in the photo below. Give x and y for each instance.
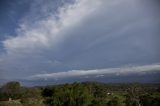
(41, 39)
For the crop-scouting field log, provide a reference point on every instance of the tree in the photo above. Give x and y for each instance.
(67, 95)
(150, 100)
(133, 97)
(31, 94)
(11, 90)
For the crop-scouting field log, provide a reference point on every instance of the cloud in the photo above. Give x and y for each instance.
(99, 72)
(81, 35)
(33, 38)
(50, 31)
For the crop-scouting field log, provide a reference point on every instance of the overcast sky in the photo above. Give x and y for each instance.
(45, 38)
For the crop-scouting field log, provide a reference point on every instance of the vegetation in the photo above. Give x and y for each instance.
(80, 94)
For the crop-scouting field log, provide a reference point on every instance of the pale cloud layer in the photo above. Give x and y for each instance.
(82, 35)
(100, 72)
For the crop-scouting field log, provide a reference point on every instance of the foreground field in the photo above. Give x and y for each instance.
(80, 94)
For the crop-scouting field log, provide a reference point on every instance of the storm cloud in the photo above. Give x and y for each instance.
(82, 35)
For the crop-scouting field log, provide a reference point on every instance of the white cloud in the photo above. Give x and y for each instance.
(50, 30)
(87, 34)
(99, 72)
(33, 38)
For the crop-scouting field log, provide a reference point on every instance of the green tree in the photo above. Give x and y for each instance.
(150, 100)
(114, 102)
(133, 97)
(67, 95)
(11, 90)
(32, 96)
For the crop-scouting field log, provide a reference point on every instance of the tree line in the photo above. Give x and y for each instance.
(82, 94)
